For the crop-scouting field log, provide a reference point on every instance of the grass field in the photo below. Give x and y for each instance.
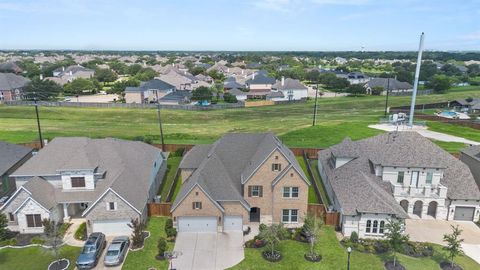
(172, 166)
(336, 118)
(312, 197)
(35, 257)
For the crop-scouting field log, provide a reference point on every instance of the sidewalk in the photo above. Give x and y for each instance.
(425, 133)
(69, 238)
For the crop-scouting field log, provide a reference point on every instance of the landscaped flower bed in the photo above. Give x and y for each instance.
(270, 256)
(413, 249)
(255, 243)
(313, 257)
(389, 266)
(448, 266)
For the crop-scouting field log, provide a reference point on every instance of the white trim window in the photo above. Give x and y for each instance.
(290, 192)
(290, 215)
(429, 178)
(197, 205)
(376, 227)
(111, 206)
(276, 167)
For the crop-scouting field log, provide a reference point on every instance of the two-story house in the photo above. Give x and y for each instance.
(242, 178)
(396, 175)
(107, 182)
(291, 89)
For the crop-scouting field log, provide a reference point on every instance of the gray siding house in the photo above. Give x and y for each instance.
(471, 157)
(12, 156)
(107, 182)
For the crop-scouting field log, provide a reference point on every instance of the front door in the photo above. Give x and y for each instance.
(255, 214)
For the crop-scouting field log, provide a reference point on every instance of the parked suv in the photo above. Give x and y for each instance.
(92, 250)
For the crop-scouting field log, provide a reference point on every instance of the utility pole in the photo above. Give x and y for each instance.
(160, 121)
(415, 83)
(38, 120)
(315, 107)
(386, 99)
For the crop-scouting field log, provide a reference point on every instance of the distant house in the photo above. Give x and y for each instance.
(148, 91)
(231, 83)
(259, 85)
(176, 97)
(106, 182)
(340, 60)
(12, 86)
(10, 67)
(183, 80)
(471, 105)
(471, 157)
(64, 75)
(393, 85)
(12, 156)
(239, 94)
(291, 89)
(354, 77)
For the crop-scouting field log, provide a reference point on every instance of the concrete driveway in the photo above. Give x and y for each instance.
(209, 251)
(432, 231)
(100, 265)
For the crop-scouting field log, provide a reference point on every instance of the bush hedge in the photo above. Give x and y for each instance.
(81, 232)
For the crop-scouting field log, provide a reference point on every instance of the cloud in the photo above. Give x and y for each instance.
(472, 36)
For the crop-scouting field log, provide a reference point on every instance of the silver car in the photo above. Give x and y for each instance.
(117, 251)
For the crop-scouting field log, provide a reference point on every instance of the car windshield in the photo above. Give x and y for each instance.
(112, 252)
(88, 249)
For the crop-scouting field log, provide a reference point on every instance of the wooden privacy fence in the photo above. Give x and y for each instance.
(159, 209)
(319, 210)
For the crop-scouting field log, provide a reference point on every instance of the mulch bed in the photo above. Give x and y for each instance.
(275, 257)
(26, 239)
(448, 266)
(398, 266)
(146, 234)
(59, 265)
(310, 258)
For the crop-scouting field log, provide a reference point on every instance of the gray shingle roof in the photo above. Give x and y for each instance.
(10, 67)
(11, 154)
(154, 84)
(289, 84)
(221, 168)
(393, 84)
(10, 81)
(359, 190)
(42, 192)
(472, 151)
(128, 166)
(261, 79)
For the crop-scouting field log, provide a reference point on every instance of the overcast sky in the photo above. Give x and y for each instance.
(239, 25)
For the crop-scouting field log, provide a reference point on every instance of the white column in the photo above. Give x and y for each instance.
(66, 217)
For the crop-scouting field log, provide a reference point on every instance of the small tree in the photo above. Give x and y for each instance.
(377, 90)
(395, 234)
(54, 236)
(271, 236)
(354, 237)
(3, 227)
(312, 227)
(137, 234)
(202, 93)
(161, 246)
(355, 89)
(454, 244)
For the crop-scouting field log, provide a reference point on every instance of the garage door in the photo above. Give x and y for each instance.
(112, 227)
(464, 213)
(197, 224)
(233, 223)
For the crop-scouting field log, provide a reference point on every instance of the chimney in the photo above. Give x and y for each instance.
(228, 70)
(242, 71)
(253, 76)
(63, 68)
(41, 76)
(283, 80)
(71, 73)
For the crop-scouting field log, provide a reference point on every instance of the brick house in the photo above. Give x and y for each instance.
(240, 179)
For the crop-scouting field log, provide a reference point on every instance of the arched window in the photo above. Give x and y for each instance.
(375, 226)
(369, 226)
(382, 227)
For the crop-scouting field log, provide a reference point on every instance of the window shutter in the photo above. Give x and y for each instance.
(38, 220)
(200, 204)
(29, 220)
(193, 205)
(260, 191)
(249, 191)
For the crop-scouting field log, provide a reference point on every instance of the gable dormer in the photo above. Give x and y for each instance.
(79, 179)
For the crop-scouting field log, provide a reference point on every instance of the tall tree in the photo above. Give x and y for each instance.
(3, 226)
(53, 234)
(202, 93)
(454, 243)
(42, 89)
(356, 89)
(312, 227)
(105, 75)
(440, 83)
(80, 86)
(395, 234)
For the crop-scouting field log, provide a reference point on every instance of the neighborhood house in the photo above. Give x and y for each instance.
(105, 181)
(396, 175)
(239, 180)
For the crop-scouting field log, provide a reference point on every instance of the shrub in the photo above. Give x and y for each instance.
(229, 98)
(171, 232)
(81, 232)
(37, 240)
(262, 227)
(354, 237)
(178, 152)
(168, 224)
(161, 246)
(9, 242)
(137, 234)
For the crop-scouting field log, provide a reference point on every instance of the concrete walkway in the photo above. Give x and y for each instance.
(425, 133)
(432, 231)
(208, 251)
(69, 238)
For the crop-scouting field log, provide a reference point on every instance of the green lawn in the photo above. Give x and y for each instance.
(323, 193)
(172, 166)
(177, 188)
(456, 130)
(145, 258)
(336, 118)
(335, 257)
(35, 257)
(312, 197)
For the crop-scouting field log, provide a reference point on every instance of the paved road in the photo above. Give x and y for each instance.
(100, 265)
(208, 251)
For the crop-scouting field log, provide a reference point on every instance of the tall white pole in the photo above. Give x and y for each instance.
(415, 83)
